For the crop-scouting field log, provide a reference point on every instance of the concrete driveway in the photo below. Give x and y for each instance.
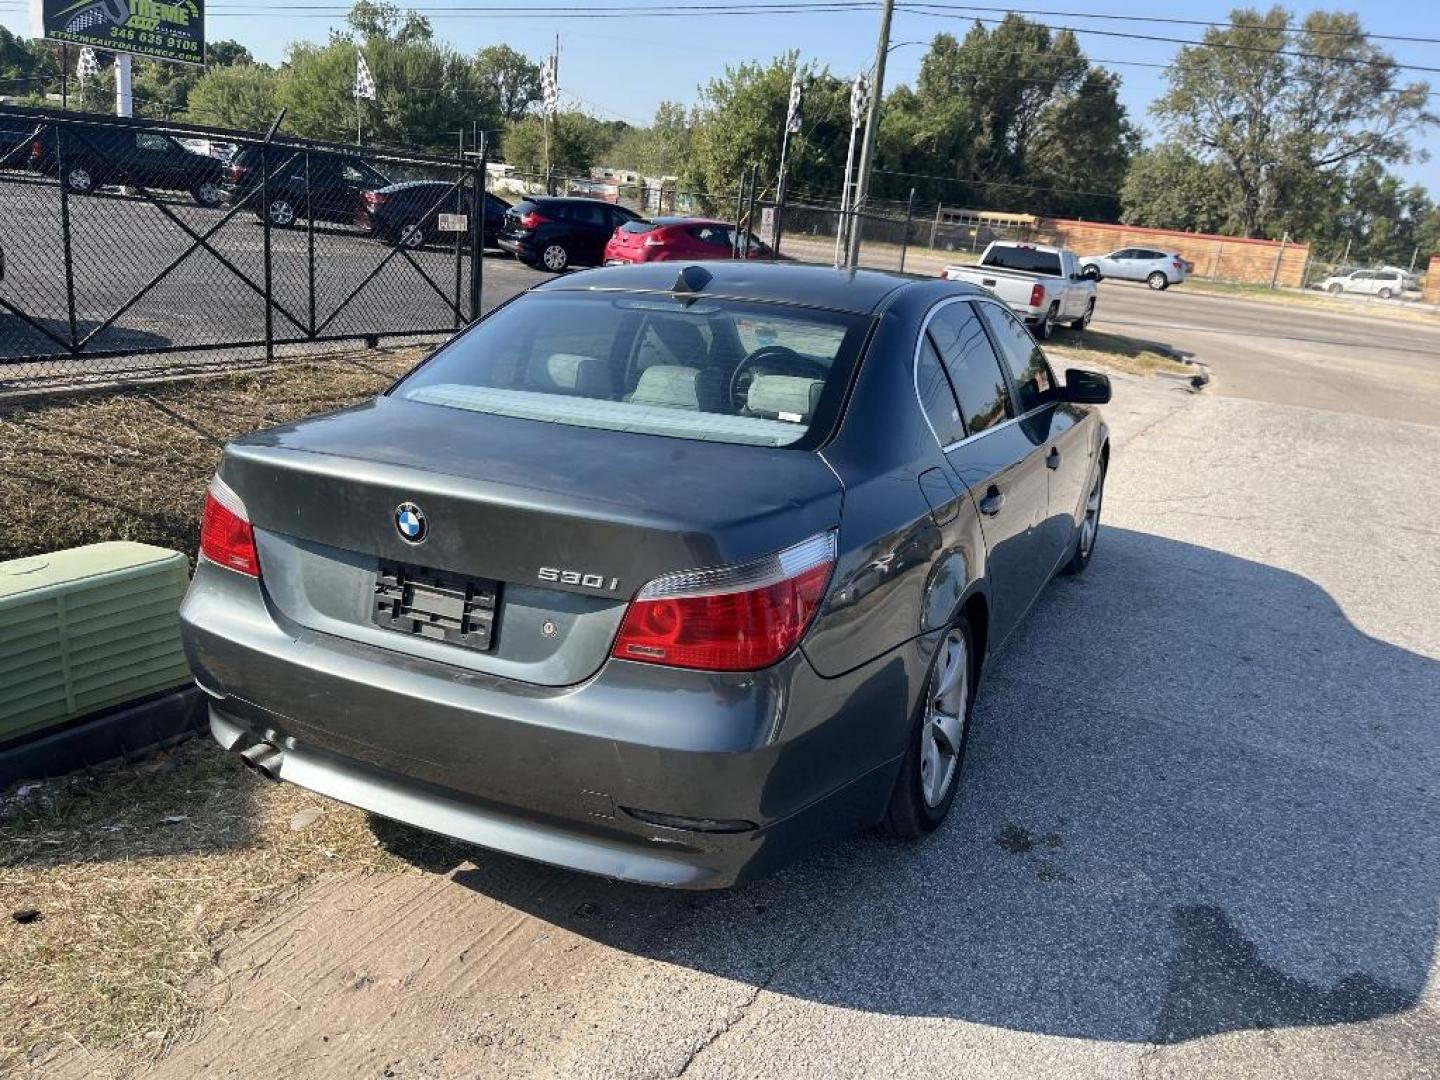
(1198, 834)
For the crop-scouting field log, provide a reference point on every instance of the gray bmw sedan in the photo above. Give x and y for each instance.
(661, 575)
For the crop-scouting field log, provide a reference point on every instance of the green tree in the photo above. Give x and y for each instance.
(1004, 118)
(512, 78)
(1170, 188)
(426, 91)
(661, 149)
(576, 142)
(227, 53)
(739, 123)
(241, 97)
(1283, 108)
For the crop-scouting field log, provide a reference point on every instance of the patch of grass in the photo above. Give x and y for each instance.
(1117, 351)
(132, 464)
(1313, 298)
(136, 871)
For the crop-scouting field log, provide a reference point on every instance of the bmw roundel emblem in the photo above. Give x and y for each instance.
(410, 523)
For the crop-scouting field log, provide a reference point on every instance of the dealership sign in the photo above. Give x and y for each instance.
(143, 27)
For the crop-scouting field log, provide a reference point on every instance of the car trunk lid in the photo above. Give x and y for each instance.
(554, 527)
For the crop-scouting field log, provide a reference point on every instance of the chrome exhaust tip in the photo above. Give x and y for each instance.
(265, 758)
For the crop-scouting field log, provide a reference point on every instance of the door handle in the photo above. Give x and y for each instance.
(992, 502)
(1052, 460)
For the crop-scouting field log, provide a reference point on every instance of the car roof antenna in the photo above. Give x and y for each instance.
(691, 280)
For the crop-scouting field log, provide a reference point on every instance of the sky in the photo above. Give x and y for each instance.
(621, 68)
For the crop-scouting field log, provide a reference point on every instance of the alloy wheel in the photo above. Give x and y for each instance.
(1157, 281)
(209, 195)
(412, 235)
(555, 257)
(282, 213)
(79, 180)
(1090, 527)
(942, 734)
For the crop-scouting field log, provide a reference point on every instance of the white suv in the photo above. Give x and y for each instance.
(1384, 283)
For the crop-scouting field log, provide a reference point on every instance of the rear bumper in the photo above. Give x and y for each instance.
(517, 246)
(742, 771)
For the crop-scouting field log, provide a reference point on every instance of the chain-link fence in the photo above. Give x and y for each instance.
(1332, 271)
(128, 239)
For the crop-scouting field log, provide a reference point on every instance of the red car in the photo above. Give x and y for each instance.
(667, 238)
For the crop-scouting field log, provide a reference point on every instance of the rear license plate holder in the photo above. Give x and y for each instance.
(437, 605)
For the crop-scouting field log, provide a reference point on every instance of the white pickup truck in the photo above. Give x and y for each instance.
(1043, 285)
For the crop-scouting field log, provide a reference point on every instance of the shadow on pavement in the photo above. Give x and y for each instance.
(1198, 800)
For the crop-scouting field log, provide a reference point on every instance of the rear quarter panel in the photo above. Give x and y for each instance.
(903, 570)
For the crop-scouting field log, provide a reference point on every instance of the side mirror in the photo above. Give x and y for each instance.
(1085, 387)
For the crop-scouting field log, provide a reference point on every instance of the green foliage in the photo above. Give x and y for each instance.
(1170, 188)
(241, 97)
(661, 149)
(512, 78)
(739, 123)
(576, 142)
(1287, 109)
(1006, 118)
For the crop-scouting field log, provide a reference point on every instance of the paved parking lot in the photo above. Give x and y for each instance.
(120, 244)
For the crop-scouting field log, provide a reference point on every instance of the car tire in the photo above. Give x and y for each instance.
(1386, 294)
(208, 194)
(1336, 289)
(1083, 322)
(1090, 271)
(1089, 530)
(1045, 326)
(281, 213)
(411, 236)
(555, 257)
(1158, 281)
(79, 180)
(935, 751)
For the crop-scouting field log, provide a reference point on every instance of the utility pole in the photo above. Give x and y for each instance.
(124, 94)
(867, 152)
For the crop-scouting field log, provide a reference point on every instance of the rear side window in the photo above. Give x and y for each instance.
(1028, 367)
(972, 366)
(1023, 258)
(936, 397)
(717, 370)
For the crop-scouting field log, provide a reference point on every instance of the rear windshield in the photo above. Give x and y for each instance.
(1020, 258)
(637, 226)
(717, 370)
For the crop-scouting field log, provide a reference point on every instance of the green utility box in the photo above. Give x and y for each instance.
(86, 629)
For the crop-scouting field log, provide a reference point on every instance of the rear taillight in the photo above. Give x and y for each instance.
(374, 198)
(37, 150)
(238, 173)
(226, 537)
(1179, 265)
(533, 220)
(739, 618)
(1037, 295)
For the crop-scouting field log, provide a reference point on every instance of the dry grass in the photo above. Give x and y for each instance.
(1118, 352)
(1374, 309)
(137, 872)
(131, 464)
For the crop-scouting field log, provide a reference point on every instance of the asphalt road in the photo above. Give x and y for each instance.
(1385, 366)
(1198, 832)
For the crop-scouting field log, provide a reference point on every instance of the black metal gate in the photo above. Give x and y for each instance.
(127, 243)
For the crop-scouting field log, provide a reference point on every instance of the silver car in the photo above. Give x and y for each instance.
(1158, 269)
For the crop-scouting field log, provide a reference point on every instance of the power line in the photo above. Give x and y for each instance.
(1171, 21)
(944, 13)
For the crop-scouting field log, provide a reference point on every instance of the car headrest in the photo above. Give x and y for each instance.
(570, 373)
(668, 384)
(783, 397)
